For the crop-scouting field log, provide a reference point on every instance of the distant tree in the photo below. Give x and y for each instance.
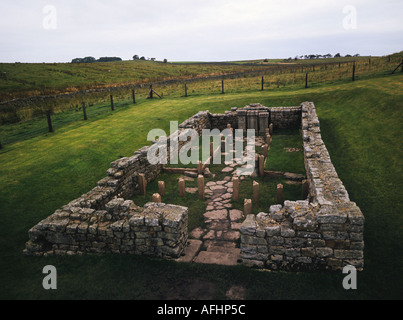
(356, 55)
(348, 56)
(84, 60)
(337, 55)
(142, 58)
(165, 61)
(109, 59)
(152, 59)
(135, 57)
(327, 56)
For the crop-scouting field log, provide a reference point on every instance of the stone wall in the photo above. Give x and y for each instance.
(102, 221)
(324, 231)
(157, 229)
(220, 121)
(285, 117)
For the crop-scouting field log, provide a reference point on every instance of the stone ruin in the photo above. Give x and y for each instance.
(323, 231)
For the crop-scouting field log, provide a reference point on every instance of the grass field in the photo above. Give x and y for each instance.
(27, 79)
(64, 87)
(361, 126)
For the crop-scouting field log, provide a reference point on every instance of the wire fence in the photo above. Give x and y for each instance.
(26, 118)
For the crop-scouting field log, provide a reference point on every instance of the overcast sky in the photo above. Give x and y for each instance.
(202, 30)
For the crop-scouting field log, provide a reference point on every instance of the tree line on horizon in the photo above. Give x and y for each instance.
(92, 59)
(321, 56)
(108, 59)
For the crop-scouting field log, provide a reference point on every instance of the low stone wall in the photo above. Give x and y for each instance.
(285, 117)
(221, 121)
(157, 229)
(323, 232)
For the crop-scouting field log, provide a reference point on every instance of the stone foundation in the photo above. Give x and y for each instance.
(325, 231)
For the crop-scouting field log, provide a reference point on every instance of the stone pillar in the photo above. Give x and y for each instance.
(253, 122)
(235, 186)
(200, 184)
(261, 166)
(182, 191)
(247, 207)
(268, 139)
(161, 188)
(242, 125)
(263, 122)
(255, 192)
(156, 198)
(142, 184)
(280, 194)
(271, 128)
(266, 151)
(199, 167)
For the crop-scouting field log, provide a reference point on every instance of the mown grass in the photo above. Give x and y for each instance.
(361, 126)
(286, 153)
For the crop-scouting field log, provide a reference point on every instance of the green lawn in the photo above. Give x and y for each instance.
(361, 126)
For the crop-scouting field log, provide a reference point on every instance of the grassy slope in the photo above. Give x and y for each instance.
(361, 126)
(26, 79)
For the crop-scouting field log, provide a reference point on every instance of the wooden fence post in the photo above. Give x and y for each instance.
(186, 90)
(151, 96)
(49, 120)
(354, 71)
(85, 112)
(1, 146)
(222, 87)
(306, 80)
(134, 96)
(262, 83)
(112, 105)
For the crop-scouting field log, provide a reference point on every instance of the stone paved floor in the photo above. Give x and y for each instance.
(217, 243)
